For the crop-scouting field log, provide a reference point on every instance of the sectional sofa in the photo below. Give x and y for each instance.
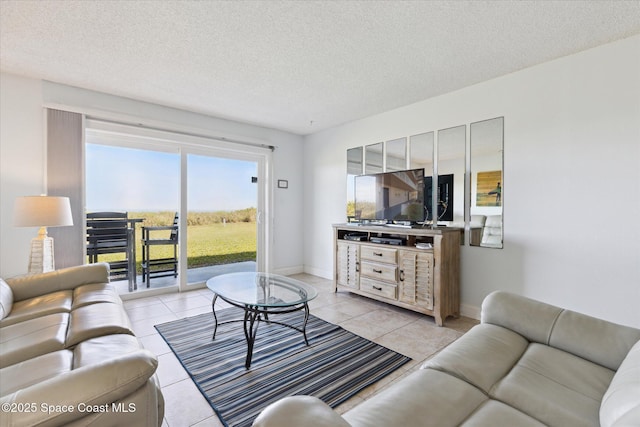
(68, 354)
(526, 364)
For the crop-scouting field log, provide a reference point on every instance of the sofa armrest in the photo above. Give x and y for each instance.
(33, 285)
(621, 402)
(295, 411)
(75, 394)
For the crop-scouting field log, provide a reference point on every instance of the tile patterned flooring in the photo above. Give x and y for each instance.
(412, 334)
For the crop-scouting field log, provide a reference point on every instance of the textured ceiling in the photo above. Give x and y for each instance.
(293, 65)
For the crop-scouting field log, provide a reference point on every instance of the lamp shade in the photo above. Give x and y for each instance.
(42, 211)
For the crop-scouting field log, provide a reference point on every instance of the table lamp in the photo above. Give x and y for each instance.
(43, 212)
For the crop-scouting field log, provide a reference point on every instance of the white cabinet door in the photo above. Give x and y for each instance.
(416, 278)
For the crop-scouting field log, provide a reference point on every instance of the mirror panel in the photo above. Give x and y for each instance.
(396, 155)
(487, 140)
(373, 158)
(421, 152)
(354, 168)
(451, 169)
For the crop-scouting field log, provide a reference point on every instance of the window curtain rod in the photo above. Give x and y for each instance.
(178, 132)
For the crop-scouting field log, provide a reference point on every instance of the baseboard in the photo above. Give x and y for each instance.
(470, 311)
(288, 271)
(319, 272)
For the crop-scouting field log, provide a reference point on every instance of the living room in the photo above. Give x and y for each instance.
(576, 116)
(571, 174)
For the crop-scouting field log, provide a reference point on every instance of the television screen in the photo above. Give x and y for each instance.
(390, 196)
(445, 197)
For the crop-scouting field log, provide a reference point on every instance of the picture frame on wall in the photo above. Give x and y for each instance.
(489, 188)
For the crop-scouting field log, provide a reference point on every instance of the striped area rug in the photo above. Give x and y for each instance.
(335, 366)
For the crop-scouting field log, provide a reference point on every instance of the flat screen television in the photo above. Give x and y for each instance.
(390, 196)
(445, 197)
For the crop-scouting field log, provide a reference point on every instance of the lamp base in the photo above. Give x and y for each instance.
(41, 258)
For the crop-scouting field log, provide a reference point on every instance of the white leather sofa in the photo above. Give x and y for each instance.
(526, 364)
(68, 354)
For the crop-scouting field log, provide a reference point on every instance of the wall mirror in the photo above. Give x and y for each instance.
(354, 168)
(373, 158)
(396, 155)
(486, 140)
(421, 148)
(421, 152)
(468, 190)
(451, 168)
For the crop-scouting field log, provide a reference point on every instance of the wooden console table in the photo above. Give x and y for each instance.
(397, 272)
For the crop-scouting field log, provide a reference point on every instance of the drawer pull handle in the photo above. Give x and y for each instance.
(377, 253)
(377, 271)
(402, 275)
(377, 288)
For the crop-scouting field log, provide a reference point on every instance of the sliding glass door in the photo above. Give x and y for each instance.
(142, 184)
(206, 202)
(222, 214)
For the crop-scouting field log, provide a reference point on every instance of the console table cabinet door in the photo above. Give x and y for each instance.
(348, 265)
(416, 278)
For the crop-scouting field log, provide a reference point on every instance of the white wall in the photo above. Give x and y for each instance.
(21, 164)
(571, 181)
(22, 157)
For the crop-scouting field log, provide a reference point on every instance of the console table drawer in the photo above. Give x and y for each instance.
(378, 288)
(378, 254)
(377, 271)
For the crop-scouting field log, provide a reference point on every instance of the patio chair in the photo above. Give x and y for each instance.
(110, 233)
(164, 266)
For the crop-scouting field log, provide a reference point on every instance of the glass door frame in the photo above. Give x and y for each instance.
(262, 158)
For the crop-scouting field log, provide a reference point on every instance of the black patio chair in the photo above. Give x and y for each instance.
(111, 233)
(159, 267)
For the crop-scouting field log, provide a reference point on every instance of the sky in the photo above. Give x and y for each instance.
(126, 179)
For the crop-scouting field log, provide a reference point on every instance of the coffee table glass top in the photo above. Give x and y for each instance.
(261, 289)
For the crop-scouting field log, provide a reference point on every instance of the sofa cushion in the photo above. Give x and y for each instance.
(485, 355)
(555, 387)
(97, 320)
(31, 338)
(494, 413)
(597, 340)
(94, 293)
(621, 403)
(54, 302)
(34, 371)
(534, 320)
(33, 285)
(426, 397)
(6, 299)
(94, 351)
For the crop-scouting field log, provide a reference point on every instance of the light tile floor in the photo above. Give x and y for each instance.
(412, 334)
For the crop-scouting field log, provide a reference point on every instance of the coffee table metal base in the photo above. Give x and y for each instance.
(252, 317)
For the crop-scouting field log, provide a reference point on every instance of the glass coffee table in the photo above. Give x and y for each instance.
(261, 295)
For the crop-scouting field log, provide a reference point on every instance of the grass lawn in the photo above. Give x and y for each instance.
(210, 244)
(221, 243)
